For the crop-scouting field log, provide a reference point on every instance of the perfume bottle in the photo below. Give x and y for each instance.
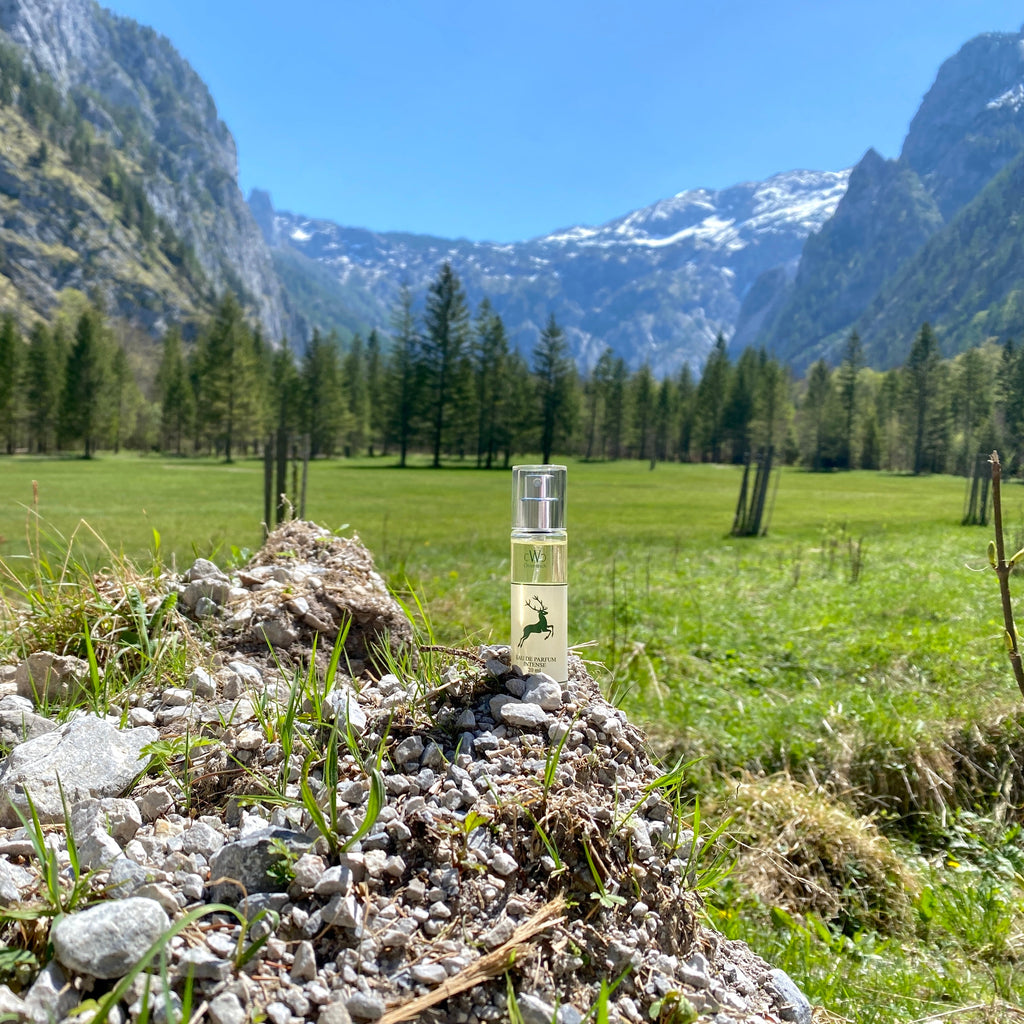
(539, 571)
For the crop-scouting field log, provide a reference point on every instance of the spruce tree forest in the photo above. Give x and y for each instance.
(445, 383)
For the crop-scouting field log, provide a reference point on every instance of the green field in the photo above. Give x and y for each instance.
(842, 680)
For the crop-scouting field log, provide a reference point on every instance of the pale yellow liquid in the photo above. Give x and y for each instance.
(540, 604)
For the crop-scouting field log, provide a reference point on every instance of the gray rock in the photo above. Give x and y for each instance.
(244, 866)
(410, 749)
(126, 876)
(13, 1007)
(45, 676)
(227, 1009)
(535, 1010)
(203, 965)
(154, 802)
(335, 1013)
(118, 817)
(304, 964)
(204, 569)
(504, 864)
(365, 1006)
(109, 939)
(50, 997)
(19, 722)
(89, 756)
(542, 689)
(277, 632)
(342, 701)
(202, 839)
(524, 716)
(429, 973)
(793, 1004)
(201, 683)
(12, 880)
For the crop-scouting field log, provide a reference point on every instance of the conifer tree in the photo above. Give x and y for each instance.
(642, 390)
(490, 358)
(43, 382)
(443, 349)
(357, 396)
(11, 352)
(595, 390)
(323, 412)
(85, 383)
(615, 407)
(374, 391)
(401, 387)
(710, 402)
(846, 384)
(554, 373)
(177, 404)
(922, 398)
(686, 391)
(815, 413)
(228, 377)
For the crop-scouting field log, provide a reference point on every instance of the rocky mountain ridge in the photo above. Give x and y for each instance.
(656, 285)
(888, 247)
(134, 88)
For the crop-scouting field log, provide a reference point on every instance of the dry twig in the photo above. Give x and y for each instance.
(488, 966)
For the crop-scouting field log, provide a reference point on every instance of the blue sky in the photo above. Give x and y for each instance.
(499, 121)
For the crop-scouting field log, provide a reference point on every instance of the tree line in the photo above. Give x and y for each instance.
(445, 381)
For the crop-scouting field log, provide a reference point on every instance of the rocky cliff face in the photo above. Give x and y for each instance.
(656, 285)
(884, 218)
(874, 263)
(971, 123)
(135, 88)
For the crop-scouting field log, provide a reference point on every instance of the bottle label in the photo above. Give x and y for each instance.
(539, 638)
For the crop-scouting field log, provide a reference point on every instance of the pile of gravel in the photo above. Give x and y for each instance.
(519, 843)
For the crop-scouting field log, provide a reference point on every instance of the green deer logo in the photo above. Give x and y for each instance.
(540, 626)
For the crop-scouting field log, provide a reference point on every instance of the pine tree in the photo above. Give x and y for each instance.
(615, 407)
(642, 390)
(739, 402)
(85, 383)
(11, 352)
(595, 393)
(490, 357)
(922, 398)
(815, 414)
(177, 404)
(710, 402)
(229, 385)
(664, 409)
(357, 397)
(374, 390)
(686, 393)
(972, 396)
(323, 413)
(401, 387)
(554, 373)
(846, 384)
(44, 377)
(446, 332)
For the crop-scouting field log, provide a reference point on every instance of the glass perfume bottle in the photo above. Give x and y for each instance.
(539, 571)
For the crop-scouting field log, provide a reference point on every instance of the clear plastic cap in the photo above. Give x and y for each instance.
(538, 497)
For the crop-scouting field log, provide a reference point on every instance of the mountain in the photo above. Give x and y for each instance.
(161, 145)
(656, 285)
(931, 236)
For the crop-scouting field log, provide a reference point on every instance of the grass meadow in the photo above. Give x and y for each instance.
(840, 684)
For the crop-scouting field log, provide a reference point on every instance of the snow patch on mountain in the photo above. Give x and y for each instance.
(655, 285)
(1012, 99)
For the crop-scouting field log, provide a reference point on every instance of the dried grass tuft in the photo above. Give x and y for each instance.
(804, 851)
